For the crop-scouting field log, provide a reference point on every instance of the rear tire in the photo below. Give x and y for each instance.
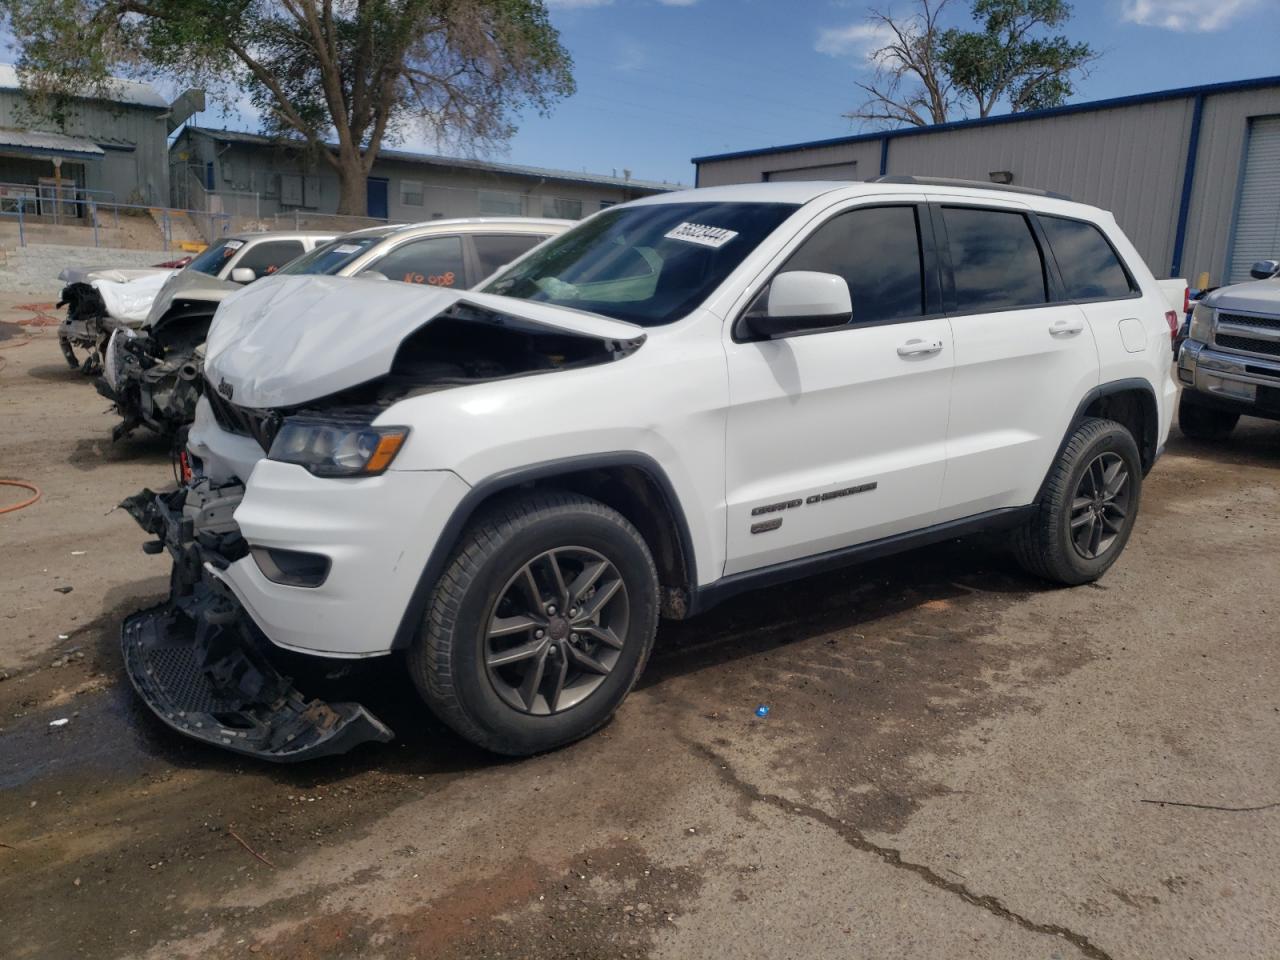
(1204, 423)
(1088, 507)
(501, 660)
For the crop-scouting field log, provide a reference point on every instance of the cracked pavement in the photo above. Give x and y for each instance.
(955, 762)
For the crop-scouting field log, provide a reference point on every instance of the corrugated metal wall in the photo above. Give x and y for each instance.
(1128, 159)
(136, 175)
(754, 169)
(1223, 128)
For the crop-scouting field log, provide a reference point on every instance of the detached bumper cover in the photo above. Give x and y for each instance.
(203, 667)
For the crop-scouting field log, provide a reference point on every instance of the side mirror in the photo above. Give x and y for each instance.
(803, 300)
(243, 275)
(1265, 269)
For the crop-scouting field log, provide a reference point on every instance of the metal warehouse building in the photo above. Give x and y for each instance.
(112, 149)
(251, 175)
(1192, 175)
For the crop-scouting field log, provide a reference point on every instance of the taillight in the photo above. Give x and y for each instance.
(184, 466)
(1171, 318)
(1186, 300)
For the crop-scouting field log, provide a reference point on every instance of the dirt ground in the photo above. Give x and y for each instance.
(958, 762)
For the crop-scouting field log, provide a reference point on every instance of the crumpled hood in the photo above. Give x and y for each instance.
(188, 283)
(114, 274)
(287, 340)
(1255, 296)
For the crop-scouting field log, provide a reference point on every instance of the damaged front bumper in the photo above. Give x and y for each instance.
(198, 660)
(149, 390)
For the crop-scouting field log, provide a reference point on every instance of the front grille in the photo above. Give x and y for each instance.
(1240, 319)
(262, 425)
(1270, 348)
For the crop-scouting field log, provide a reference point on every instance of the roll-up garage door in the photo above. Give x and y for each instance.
(1257, 230)
(826, 171)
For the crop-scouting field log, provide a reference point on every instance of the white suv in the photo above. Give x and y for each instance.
(683, 397)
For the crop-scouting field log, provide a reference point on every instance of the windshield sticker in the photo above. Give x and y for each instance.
(347, 248)
(234, 244)
(704, 236)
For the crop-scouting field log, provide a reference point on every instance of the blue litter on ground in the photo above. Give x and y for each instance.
(762, 711)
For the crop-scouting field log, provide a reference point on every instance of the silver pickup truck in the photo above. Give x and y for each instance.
(1229, 363)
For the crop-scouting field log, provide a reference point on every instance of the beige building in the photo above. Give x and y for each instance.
(1192, 175)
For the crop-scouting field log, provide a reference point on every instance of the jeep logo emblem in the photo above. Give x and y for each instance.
(225, 388)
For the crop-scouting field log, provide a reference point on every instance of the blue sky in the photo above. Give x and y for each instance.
(661, 81)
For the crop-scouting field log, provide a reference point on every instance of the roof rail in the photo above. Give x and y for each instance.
(975, 184)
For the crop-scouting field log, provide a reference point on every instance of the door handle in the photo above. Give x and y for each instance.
(919, 348)
(1065, 328)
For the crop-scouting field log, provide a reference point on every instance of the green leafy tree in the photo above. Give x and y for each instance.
(356, 72)
(928, 74)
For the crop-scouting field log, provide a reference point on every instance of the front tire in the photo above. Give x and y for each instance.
(1204, 423)
(1088, 507)
(540, 625)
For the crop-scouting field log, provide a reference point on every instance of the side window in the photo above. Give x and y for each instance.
(1088, 263)
(433, 260)
(877, 251)
(995, 258)
(495, 252)
(269, 256)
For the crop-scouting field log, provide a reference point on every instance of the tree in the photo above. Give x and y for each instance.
(359, 72)
(925, 74)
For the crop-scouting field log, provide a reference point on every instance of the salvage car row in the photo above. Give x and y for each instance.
(675, 400)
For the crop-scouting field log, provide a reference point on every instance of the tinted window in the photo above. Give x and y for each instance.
(877, 251)
(1090, 268)
(995, 258)
(269, 256)
(330, 257)
(433, 260)
(648, 264)
(495, 252)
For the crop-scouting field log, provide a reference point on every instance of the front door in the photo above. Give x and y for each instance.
(839, 437)
(376, 194)
(1022, 361)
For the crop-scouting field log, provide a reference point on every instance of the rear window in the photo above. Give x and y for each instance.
(1089, 266)
(497, 251)
(995, 258)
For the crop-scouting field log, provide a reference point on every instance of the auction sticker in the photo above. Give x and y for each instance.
(704, 236)
(347, 248)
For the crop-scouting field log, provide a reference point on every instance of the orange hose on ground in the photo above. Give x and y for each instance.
(25, 503)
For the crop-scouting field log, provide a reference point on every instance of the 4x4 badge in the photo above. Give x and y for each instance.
(225, 388)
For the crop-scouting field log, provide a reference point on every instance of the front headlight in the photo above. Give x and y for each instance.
(1201, 323)
(337, 447)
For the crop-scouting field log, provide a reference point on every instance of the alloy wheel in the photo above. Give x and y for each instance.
(556, 630)
(1100, 506)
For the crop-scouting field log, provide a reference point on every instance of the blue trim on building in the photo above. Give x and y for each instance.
(1201, 91)
(884, 155)
(1188, 177)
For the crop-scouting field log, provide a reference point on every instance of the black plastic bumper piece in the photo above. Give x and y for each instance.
(209, 681)
(204, 668)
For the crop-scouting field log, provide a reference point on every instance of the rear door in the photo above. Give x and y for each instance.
(1023, 358)
(838, 437)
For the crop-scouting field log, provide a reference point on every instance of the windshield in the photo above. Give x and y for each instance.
(330, 257)
(648, 264)
(215, 257)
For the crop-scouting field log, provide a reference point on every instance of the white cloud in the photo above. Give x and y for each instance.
(857, 39)
(1185, 15)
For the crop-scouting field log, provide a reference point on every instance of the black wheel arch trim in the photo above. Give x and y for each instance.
(1147, 444)
(509, 479)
